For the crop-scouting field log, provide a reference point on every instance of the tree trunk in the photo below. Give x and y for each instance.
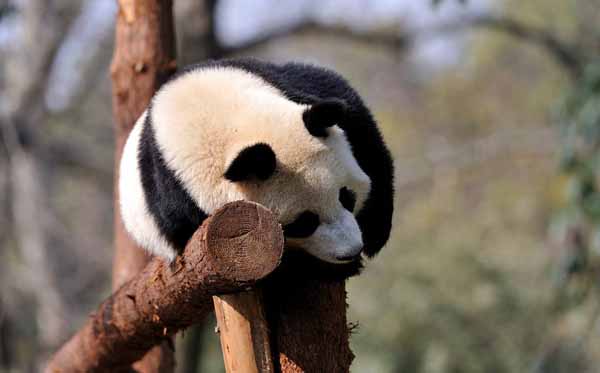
(310, 332)
(144, 58)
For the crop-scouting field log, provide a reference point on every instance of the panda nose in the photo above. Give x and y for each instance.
(349, 258)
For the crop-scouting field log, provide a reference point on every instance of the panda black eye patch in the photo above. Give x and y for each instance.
(304, 226)
(348, 199)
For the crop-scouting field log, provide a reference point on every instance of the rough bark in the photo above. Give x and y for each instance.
(240, 244)
(144, 58)
(310, 332)
(244, 333)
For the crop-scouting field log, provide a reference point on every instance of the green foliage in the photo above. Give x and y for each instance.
(580, 116)
(490, 267)
(579, 218)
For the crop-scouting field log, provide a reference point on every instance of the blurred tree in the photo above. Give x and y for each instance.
(466, 293)
(24, 76)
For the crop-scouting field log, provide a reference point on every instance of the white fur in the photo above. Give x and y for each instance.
(134, 211)
(205, 118)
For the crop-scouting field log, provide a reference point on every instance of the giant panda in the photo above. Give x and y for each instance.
(296, 138)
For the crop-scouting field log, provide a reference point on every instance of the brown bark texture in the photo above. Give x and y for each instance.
(244, 332)
(144, 57)
(309, 329)
(238, 245)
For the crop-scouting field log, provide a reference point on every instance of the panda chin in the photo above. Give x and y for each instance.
(298, 265)
(326, 256)
(338, 259)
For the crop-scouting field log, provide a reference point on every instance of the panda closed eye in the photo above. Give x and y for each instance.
(348, 199)
(304, 226)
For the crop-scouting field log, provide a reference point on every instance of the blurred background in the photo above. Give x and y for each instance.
(491, 109)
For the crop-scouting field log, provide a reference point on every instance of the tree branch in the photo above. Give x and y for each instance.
(565, 54)
(392, 41)
(237, 246)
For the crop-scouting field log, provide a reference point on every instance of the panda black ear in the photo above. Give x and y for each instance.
(254, 162)
(324, 114)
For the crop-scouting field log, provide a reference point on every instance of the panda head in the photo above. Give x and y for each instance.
(218, 135)
(310, 180)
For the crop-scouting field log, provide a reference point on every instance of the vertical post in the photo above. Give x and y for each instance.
(310, 332)
(306, 318)
(144, 57)
(244, 333)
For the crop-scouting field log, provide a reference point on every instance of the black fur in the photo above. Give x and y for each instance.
(174, 211)
(323, 115)
(254, 162)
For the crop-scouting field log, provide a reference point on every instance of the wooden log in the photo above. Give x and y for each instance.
(144, 57)
(238, 245)
(244, 333)
(305, 305)
(312, 333)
